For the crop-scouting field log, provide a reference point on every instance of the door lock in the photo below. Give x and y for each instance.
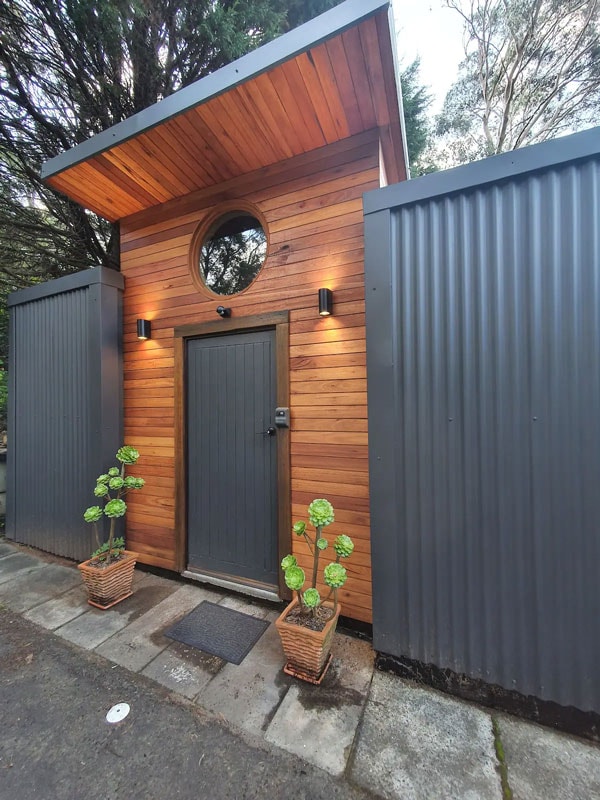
(271, 431)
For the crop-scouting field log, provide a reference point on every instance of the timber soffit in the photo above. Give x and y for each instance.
(103, 155)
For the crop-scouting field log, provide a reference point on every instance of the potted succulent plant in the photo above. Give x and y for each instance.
(108, 573)
(307, 625)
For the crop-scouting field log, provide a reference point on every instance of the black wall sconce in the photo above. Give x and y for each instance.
(223, 312)
(143, 329)
(325, 302)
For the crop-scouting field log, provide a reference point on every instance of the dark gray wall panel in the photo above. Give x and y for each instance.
(232, 463)
(65, 407)
(483, 348)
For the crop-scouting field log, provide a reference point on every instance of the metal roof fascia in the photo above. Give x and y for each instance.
(535, 157)
(397, 73)
(68, 283)
(277, 51)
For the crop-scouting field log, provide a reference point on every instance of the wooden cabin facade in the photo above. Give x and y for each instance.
(291, 135)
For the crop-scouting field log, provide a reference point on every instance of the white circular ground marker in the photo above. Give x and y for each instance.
(117, 713)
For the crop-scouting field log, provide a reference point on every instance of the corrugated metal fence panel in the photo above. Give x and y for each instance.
(63, 423)
(484, 429)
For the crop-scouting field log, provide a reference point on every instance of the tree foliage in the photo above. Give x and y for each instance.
(531, 72)
(416, 100)
(72, 68)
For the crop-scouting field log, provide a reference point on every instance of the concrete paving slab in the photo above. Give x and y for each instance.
(319, 723)
(38, 586)
(183, 669)
(245, 605)
(418, 744)
(95, 626)
(6, 549)
(141, 641)
(248, 694)
(545, 765)
(12, 566)
(150, 579)
(60, 610)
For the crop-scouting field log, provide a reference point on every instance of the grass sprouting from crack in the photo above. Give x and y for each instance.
(499, 747)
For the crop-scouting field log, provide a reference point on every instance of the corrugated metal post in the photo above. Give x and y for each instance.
(65, 419)
(382, 361)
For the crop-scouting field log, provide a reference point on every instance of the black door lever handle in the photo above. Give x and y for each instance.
(269, 432)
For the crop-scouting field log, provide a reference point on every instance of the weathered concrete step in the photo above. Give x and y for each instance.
(36, 586)
(545, 765)
(418, 744)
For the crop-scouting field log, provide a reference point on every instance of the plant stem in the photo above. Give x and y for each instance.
(316, 555)
(97, 535)
(334, 601)
(111, 534)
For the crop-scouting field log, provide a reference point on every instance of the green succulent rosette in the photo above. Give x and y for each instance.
(320, 513)
(92, 514)
(294, 578)
(116, 483)
(343, 546)
(322, 543)
(138, 483)
(115, 508)
(129, 482)
(299, 528)
(127, 454)
(335, 575)
(101, 490)
(287, 562)
(113, 472)
(311, 598)
(104, 478)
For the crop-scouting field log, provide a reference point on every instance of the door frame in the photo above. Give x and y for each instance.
(279, 321)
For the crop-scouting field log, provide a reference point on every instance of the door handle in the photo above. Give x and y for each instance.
(271, 431)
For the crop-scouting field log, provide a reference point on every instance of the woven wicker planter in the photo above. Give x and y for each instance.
(110, 585)
(306, 651)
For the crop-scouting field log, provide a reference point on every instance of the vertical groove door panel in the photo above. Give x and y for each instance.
(232, 463)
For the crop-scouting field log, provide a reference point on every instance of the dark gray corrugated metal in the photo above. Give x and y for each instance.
(483, 347)
(65, 406)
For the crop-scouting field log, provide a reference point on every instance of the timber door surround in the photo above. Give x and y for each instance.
(212, 546)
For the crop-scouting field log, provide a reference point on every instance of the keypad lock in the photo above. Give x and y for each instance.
(282, 417)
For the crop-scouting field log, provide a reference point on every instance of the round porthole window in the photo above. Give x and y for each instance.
(232, 253)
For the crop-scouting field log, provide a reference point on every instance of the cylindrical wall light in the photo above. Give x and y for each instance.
(325, 302)
(143, 328)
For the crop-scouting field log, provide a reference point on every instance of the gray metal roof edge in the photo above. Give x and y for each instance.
(68, 283)
(397, 72)
(507, 165)
(269, 55)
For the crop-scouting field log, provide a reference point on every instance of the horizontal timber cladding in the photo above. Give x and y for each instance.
(312, 206)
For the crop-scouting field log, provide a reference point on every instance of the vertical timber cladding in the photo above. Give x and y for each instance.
(312, 205)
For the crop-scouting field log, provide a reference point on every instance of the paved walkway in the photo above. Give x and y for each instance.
(387, 735)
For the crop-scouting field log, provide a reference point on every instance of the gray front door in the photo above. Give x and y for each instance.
(231, 459)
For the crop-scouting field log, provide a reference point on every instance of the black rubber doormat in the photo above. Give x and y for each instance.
(220, 631)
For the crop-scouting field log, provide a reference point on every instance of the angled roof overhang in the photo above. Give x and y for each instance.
(331, 78)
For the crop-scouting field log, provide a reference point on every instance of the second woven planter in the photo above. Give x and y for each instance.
(307, 651)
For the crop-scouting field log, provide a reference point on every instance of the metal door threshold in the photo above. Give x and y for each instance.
(242, 588)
